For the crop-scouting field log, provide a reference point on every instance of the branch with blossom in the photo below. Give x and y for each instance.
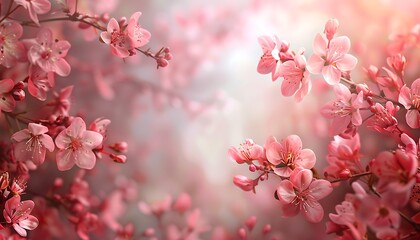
(385, 186)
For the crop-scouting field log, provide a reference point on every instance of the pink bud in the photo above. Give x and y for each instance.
(149, 232)
(242, 233)
(168, 56)
(244, 183)
(58, 182)
(4, 180)
(252, 168)
(331, 28)
(19, 85)
(345, 174)
(266, 229)
(120, 147)
(118, 158)
(250, 222)
(372, 72)
(161, 62)
(183, 203)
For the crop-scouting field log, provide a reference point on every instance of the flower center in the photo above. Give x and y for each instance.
(416, 101)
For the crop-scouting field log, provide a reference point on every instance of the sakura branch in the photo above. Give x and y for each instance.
(384, 185)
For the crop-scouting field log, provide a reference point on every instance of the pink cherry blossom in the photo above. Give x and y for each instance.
(301, 193)
(7, 102)
(48, 53)
(17, 213)
(274, 53)
(75, 146)
(288, 155)
(244, 183)
(40, 82)
(32, 143)
(344, 109)
(35, 7)
(118, 39)
(61, 102)
(139, 36)
(247, 152)
(331, 60)
(411, 101)
(384, 119)
(296, 77)
(343, 158)
(396, 174)
(11, 50)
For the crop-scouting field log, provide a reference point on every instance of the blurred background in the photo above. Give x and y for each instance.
(179, 121)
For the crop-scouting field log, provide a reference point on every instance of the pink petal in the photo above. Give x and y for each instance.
(61, 48)
(19, 230)
(301, 179)
(44, 36)
(315, 64)
(266, 43)
(320, 45)
(356, 118)
(6, 85)
(305, 88)
(286, 192)
(283, 172)
(266, 65)
(106, 37)
(21, 135)
(405, 97)
(77, 128)
(41, 6)
(47, 142)
(306, 160)
(292, 143)
(413, 118)
(113, 26)
(339, 125)
(61, 67)
(63, 140)
(320, 189)
(339, 45)
(273, 153)
(120, 52)
(37, 129)
(342, 92)
(7, 103)
(91, 139)
(290, 210)
(65, 159)
(415, 87)
(314, 212)
(11, 205)
(331, 74)
(347, 63)
(85, 158)
(30, 223)
(233, 154)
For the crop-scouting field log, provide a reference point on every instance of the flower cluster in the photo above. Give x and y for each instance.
(386, 184)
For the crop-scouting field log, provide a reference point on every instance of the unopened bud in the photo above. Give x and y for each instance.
(331, 28)
(244, 183)
(252, 168)
(242, 233)
(118, 158)
(266, 229)
(120, 147)
(161, 62)
(18, 95)
(250, 222)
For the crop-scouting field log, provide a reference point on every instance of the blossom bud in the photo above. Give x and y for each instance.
(118, 158)
(183, 203)
(266, 229)
(331, 28)
(120, 147)
(244, 183)
(161, 62)
(19, 85)
(242, 233)
(345, 174)
(168, 56)
(250, 222)
(252, 168)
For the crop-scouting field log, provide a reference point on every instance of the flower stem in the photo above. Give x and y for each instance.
(352, 177)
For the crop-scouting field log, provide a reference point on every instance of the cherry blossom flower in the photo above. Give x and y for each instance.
(384, 119)
(75, 146)
(296, 77)
(61, 102)
(49, 54)
(331, 59)
(411, 101)
(288, 155)
(345, 222)
(331, 28)
(117, 38)
(343, 157)
(35, 7)
(17, 213)
(139, 36)
(247, 152)
(40, 82)
(301, 193)
(11, 50)
(7, 102)
(396, 174)
(274, 53)
(33, 143)
(244, 183)
(344, 109)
